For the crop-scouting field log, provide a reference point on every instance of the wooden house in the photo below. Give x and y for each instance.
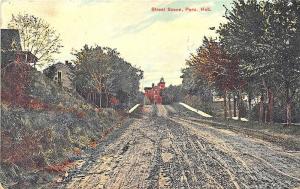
(11, 50)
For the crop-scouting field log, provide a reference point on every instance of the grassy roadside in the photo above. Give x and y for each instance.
(287, 137)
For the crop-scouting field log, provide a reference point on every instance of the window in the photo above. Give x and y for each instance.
(59, 77)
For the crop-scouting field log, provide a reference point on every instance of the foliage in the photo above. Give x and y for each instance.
(195, 90)
(194, 84)
(50, 71)
(215, 65)
(16, 79)
(37, 36)
(265, 35)
(101, 69)
(172, 93)
(257, 53)
(243, 35)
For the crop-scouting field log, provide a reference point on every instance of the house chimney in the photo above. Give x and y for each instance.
(66, 62)
(152, 85)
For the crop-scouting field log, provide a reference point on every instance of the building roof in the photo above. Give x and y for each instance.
(147, 88)
(10, 40)
(60, 65)
(29, 57)
(21, 56)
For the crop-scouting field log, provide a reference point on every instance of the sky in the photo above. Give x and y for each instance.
(157, 42)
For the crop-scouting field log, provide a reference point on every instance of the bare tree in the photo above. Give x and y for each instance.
(37, 36)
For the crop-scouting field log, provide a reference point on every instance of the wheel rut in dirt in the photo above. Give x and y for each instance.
(160, 151)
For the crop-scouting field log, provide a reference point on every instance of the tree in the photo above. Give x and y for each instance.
(37, 36)
(265, 35)
(195, 89)
(101, 69)
(284, 36)
(245, 35)
(219, 68)
(124, 77)
(171, 94)
(92, 69)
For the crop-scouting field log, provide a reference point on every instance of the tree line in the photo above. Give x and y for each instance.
(256, 52)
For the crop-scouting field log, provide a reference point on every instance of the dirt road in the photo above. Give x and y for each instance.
(162, 151)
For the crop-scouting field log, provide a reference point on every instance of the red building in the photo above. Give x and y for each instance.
(154, 93)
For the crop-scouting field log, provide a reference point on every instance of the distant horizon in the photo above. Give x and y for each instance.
(157, 42)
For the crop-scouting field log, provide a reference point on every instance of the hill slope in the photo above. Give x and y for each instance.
(43, 125)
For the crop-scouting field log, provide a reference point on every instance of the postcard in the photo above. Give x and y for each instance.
(114, 94)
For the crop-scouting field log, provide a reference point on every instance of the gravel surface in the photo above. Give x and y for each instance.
(162, 148)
